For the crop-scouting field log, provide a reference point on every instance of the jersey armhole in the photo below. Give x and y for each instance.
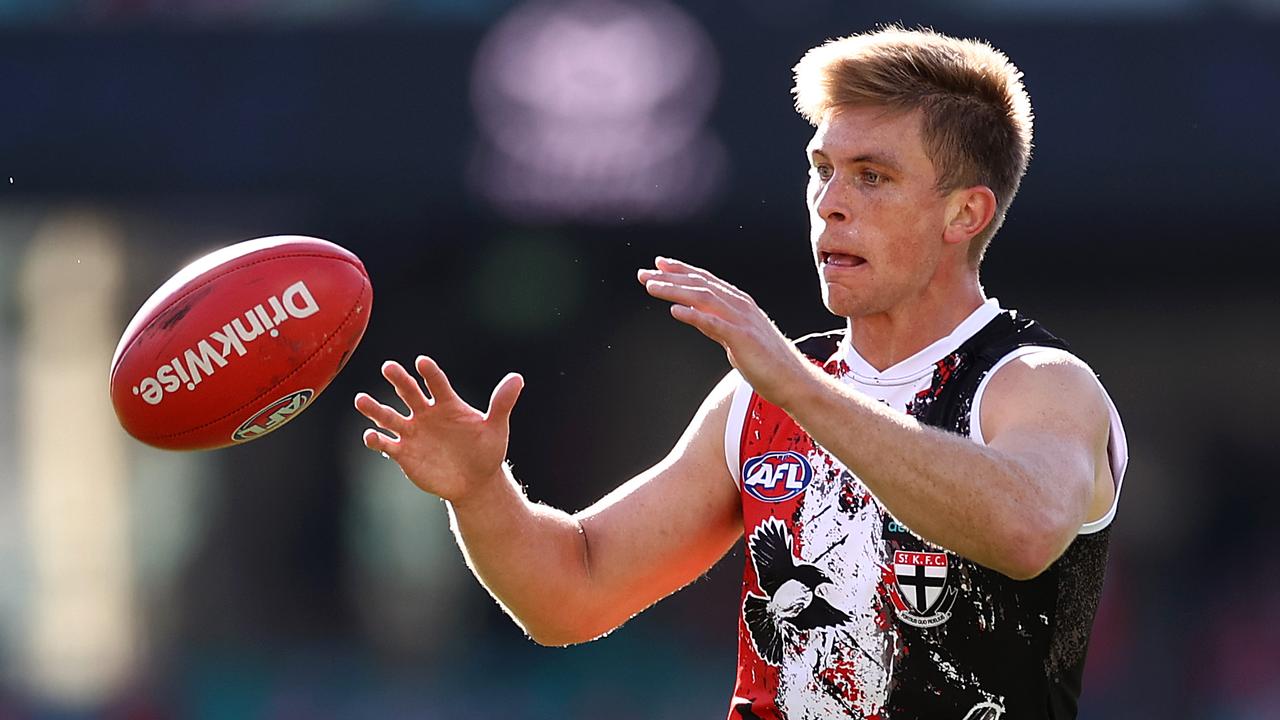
(733, 430)
(1117, 443)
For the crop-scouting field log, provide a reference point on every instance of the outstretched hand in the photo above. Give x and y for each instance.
(444, 445)
(732, 318)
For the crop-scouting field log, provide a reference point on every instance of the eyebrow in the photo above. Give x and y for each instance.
(874, 158)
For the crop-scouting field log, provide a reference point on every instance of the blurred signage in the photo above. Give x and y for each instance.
(596, 110)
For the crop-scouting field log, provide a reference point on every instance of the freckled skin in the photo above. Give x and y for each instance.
(890, 214)
(892, 256)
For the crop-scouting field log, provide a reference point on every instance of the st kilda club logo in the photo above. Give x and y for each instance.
(918, 588)
(777, 476)
(792, 599)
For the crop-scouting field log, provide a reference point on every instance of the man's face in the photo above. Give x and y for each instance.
(875, 214)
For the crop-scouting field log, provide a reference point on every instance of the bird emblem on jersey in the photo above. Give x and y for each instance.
(791, 601)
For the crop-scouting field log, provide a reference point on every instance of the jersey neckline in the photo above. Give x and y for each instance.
(921, 363)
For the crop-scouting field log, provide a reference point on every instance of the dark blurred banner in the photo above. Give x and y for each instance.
(1155, 115)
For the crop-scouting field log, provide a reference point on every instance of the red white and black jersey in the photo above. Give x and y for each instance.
(846, 613)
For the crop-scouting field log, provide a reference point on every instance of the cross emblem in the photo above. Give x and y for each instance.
(921, 577)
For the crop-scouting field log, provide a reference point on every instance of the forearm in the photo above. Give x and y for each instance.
(532, 558)
(951, 491)
(1013, 505)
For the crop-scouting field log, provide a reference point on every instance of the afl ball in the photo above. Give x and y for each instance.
(239, 342)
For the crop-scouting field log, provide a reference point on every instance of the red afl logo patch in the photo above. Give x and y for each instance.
(274, 415)
(776, 476)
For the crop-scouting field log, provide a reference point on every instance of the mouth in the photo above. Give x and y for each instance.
(830, 259)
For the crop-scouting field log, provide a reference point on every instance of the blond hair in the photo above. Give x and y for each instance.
(976, 114)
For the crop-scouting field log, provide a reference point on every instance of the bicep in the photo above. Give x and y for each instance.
(664, 528)
(1047, 413)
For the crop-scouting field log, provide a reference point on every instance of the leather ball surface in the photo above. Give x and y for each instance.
(239, 342)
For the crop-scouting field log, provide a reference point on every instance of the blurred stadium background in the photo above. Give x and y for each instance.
(503, 167)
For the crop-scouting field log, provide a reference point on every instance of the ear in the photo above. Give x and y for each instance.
(969, 212)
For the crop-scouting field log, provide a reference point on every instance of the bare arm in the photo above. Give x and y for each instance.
(1013, 505)
(564, 578)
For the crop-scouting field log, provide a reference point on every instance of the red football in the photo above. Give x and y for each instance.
(239, 342)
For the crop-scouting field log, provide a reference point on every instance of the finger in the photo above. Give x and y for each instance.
(379, 443)
(648, 277)
(504, 398)
(679, 278)
(667, 263)
(434, 378)
(382, 415)
(706, 323)
(672, 266)
(726, 292)
(706, 298)
(406, 387)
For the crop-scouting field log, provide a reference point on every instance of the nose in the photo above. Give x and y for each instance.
(830, 203)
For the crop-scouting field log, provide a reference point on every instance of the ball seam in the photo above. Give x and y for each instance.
(323, 343)
(133, 341)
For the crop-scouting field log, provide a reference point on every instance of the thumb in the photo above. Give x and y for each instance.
(504, 398)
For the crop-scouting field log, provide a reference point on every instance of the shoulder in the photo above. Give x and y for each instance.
(720, 397)
(734, 393)
(1038, 366)
(1045, 386)
(710, 423)
(1032, 362)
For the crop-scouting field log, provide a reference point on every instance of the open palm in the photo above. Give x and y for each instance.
(444, 445)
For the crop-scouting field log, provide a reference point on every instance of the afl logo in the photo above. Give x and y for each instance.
(273, 416)
(776, 476)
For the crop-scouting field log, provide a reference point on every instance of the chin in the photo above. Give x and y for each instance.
(842, 304)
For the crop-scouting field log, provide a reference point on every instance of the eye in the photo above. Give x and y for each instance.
(871, 177)
(823, 171)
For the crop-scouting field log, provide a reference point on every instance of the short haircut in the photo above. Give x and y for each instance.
(976, 114)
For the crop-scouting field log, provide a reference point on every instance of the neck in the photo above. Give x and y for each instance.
(886, 338)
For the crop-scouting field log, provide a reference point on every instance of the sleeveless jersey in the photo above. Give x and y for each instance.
(846, 613)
